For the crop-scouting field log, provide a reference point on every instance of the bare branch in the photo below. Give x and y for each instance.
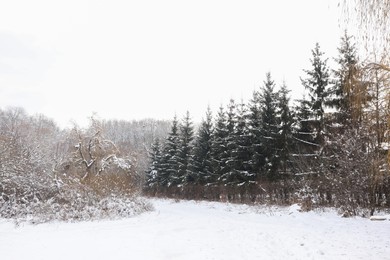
(377, 66)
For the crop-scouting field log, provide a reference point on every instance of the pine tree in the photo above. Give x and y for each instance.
(303, 128)
(169, 161)
(305, 157)
(184, 150)
(229, 143)
(254, 127)
(241, 149)
(200, 167)
(269, 129)
(316, 83)
(285, 134)
(219, 150)
(155, 170)
(346, 83)
(302, 114)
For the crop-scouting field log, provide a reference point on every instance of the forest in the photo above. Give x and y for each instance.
(48, 173)
(329, 148)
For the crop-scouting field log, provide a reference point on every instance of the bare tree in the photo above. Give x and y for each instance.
(93, 161)
(26, 160)
(373, 19)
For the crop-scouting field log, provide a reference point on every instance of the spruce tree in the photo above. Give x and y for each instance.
(269, 128)
(184, 150)
(229, 143)
(155, 170)
(346, 80)
(285, 133)
(219, 150)
(169, 160)
(241, 149)
(200, 168)
(303, 130)
(305, 149)
(316, 83)
(254, 127)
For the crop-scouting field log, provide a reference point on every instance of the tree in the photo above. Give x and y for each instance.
(219, 150)
(94, 161)
(377, 104)
(27, 157)
(305, 150)
(374, 127)
(302, 121)
(285, 134)
(200, 167)
(229, 142)
(186, 136)
(254, 127)
(316, 83)
(169, 160)
(155, 170)
(345, 92)
(372, 17)
(241, 150)
(269, 128)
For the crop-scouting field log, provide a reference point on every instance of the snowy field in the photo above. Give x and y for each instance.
(206, 230)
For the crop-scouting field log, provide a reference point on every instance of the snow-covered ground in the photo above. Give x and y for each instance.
(205, 230)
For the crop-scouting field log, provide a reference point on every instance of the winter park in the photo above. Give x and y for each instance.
(194, 129)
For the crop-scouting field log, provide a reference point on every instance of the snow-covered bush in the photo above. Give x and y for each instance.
(78, 209)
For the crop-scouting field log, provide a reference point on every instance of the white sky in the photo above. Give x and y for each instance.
(152, 58)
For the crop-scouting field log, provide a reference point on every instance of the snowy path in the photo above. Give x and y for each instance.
(190, 230)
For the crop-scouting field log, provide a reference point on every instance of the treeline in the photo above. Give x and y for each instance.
(329, 148)
(73, 174)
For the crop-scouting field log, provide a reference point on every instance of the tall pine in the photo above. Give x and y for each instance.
(269, 128)
(229, 143)
(184, 150)
(241, 151)
(317, 82)
(153, 175)
(254, 130)
(285, 133)
(219, 149)
(169, 160)
(200, 168)
(346, 85)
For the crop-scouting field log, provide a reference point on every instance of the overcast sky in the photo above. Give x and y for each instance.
(153, 58)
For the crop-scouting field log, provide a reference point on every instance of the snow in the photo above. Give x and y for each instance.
(202, 230)
(380, 218)
(385, 146)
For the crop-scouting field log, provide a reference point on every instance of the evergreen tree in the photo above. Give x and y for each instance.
(254, 127)
(169, 160)
(219, 150)
(346, 80)
(285, 134)
(302, 126)
(200, 167)
(155, 170)
(231, 116)
(241, 149)
(316, 83)
(184, 150)
(230, 143)
(305, 149)
(269, 128)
